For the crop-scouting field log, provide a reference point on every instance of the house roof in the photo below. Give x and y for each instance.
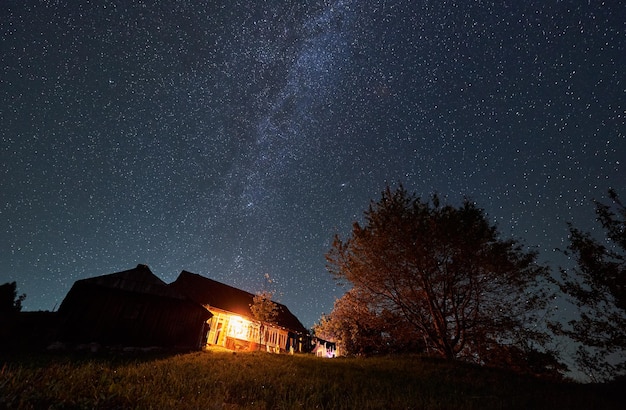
(219, 295)
(137, 280)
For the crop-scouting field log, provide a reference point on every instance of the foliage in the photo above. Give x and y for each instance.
(263, 308)
(224, 380)
(357, 328)
(9, 300)
(442, 275)
(597, 286)
(352, 326)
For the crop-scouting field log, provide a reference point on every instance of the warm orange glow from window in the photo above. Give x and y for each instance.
(238, 327)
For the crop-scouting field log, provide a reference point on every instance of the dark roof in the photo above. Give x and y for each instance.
(219, 295)
(137, 280)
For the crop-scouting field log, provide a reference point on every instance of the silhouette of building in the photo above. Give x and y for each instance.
(131, 308)
(135, 308)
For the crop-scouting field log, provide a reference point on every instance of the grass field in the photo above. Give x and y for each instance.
(224, 380)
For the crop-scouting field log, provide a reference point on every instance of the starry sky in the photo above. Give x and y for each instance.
(233, 139)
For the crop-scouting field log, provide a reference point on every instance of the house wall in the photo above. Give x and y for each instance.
(238, 333)
(231, 331)
(115, 317)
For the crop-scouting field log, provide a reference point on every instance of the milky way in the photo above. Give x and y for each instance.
(234, 139)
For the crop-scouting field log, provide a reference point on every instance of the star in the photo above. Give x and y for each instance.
(236, 140)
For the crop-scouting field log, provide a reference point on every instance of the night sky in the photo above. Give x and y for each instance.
(235, 138)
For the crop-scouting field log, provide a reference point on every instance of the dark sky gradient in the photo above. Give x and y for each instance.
(235, 138)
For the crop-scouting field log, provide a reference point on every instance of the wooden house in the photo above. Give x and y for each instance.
(233, 325)
(131, 308)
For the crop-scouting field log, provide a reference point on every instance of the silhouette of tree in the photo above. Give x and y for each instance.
(438, 275)
(10, 302)
(597, 286)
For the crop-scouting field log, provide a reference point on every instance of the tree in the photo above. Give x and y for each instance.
(352, 325)
(443, 274)
(597, 286)
(262, 307)
(357, 327)
(264, 310)
(10, 302)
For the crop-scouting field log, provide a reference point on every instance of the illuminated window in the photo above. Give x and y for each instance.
(238, 327)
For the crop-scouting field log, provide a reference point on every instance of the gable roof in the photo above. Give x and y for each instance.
(219, 295)
(139, 280)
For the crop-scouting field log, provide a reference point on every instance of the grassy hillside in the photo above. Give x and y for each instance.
(225, 380)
